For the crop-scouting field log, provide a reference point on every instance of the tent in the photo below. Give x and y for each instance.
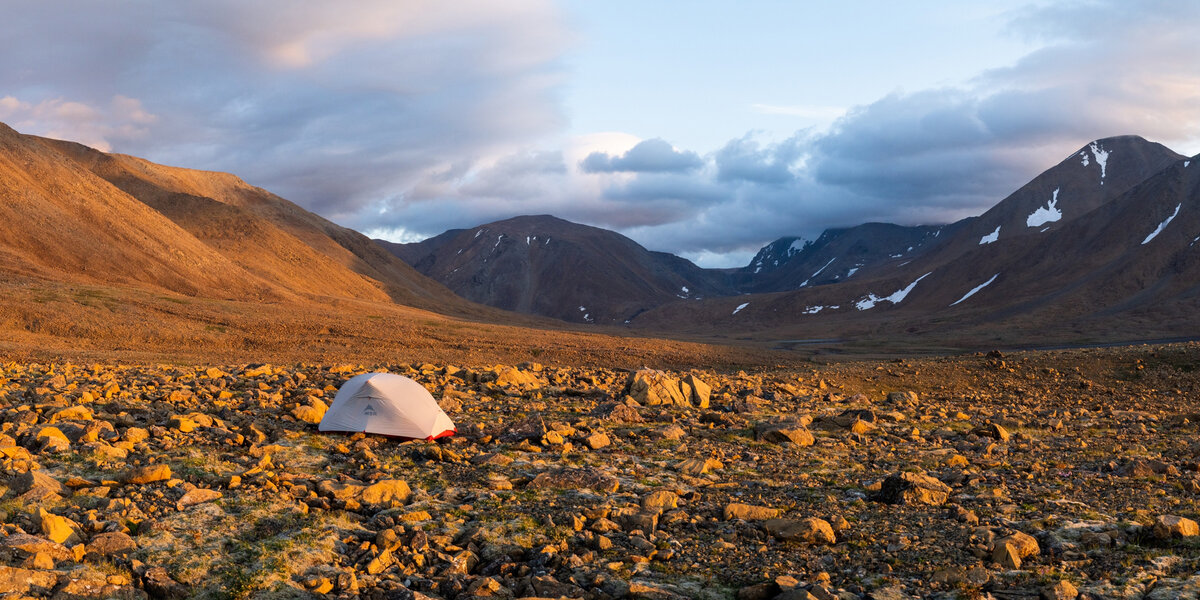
(386, 404)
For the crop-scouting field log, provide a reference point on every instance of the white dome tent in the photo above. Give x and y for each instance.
(386, 404)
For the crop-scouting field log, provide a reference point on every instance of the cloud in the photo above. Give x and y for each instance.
(415, 117)
(333, 106)
(650, 156)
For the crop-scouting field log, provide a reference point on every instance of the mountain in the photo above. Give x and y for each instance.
(836, 255)
(1121, 261)
(73, 213)
(1085, 180)
(547, 266)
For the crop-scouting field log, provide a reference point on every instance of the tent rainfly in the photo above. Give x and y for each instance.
(386, 404)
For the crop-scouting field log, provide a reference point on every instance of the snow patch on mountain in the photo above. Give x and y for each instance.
(1045, 214)
(976, 289)
(991, 237)
(823, 268)
(812, 310)
(740, 307)
(895, 298)
(1101, 159)
(1162, 226)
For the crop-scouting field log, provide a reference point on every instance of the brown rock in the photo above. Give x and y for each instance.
(111, 543)
(1025, 544)
(1172, 526)
(1060, 590)
(810, 531)
(700, 392)
(913, 488)
(312, 412)
(660, 501)
(597, 441)
(386, 493)
(992, 430)
(582, 478)
(59, 530)
(749, 512)
(17, 581)
(1007, 556)
(780, 433)
(197, 496)
(653, 388)
(148, 474)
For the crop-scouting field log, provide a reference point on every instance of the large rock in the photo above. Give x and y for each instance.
(784, 432)
(749, 512)
(197, 496)
(513, 377)
(1171, 526)
(312, 412)
(654, 388)
(30, 545)
(584, 478)
(36, 485)
(59, 530)
(1025, 544)
(697, 391)
(913, 488)
(111, 544)
(148, 474)
(809, 531)
(386, 493)
(15, 581)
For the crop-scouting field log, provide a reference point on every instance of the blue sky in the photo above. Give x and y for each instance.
(701, 128)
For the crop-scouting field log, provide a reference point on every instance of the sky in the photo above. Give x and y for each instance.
(702, 128)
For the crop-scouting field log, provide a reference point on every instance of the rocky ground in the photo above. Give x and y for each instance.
(1052, 475)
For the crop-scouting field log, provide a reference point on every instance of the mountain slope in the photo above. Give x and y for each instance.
(547, 266)
(264, 234)
(836, 255)
(59, 221)
(1127, 269)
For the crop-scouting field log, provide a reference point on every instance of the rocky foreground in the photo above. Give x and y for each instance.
(1052, 475)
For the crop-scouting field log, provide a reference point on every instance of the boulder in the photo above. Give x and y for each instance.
(654, 388)
(111, 544)
(809, 531)
(582, 478)
(59, 530)
(1172, 526)
(784, 432)
(312, 412)
(749, 512)
(148, 474)
(913, 488)
(701, 392)
(197, 496)
(386, 493)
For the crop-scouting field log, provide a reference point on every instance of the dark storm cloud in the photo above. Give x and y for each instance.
(650, 156)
